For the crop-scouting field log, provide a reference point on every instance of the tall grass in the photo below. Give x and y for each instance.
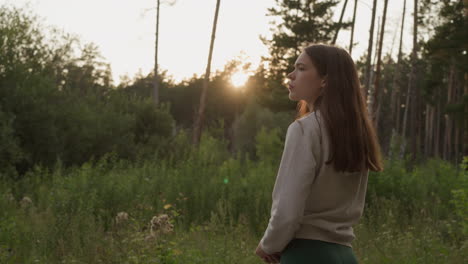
(219, 204)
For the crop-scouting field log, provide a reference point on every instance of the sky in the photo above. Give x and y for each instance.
(124, 31)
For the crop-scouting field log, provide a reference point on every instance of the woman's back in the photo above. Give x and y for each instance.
(310, 198)
(336, 199)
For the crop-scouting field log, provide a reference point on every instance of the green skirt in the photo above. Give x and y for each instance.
(309, 251)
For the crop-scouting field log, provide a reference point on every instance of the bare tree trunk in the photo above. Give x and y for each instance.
(456, 97)
(429, 128)
(436, 152)
(395, 129)
(352, 28)
(201, 110)
(433, 130)
(465, 122)
(370, 97)
(416, 118)
(395, 86)
(377, 112)
(426, 128)
(411, 76)
(405, 117)
(155, 77)
(375, 105)
(339, 23)
(430, 138)
(448, 119)
(457, 146)
(464, 132)
(369, 51)
(398, 114)
(374, 62)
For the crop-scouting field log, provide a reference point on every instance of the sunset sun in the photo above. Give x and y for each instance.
(238, 79)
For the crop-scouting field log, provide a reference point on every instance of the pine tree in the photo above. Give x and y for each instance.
(303, 22)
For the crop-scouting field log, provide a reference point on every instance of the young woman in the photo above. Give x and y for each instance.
(321, 184)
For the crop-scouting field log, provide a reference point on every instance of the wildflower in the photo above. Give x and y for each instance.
(160, 224)
(121, 217)
(26, 202)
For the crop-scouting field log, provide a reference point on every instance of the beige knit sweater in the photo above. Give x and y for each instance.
(311, 199)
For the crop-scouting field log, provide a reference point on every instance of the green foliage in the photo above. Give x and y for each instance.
(269, 145)
(450, 38)
(153, 127)
(86, 199)
(446, 53)
(56, 105)
(460, 201)
(250, 122)
(431, 183)
(10, 152)
(219, 205)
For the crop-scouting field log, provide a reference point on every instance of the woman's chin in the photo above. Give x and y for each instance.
(292, 97)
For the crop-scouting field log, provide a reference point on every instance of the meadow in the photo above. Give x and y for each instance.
(218, 206)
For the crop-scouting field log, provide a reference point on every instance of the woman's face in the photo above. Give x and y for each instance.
(305, 82)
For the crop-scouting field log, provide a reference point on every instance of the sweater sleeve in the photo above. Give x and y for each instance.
(292, 186)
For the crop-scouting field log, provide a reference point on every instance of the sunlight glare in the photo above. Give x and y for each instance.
(239, 79)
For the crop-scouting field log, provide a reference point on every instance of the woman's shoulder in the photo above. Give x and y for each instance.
(307, 124)
(307, 129)
(306, 132)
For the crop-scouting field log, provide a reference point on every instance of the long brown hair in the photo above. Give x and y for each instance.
(354, 142)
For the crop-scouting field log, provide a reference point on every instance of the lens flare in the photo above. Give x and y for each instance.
(239, 79)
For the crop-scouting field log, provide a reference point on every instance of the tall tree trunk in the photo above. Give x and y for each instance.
(457, 95)
(448, 119)
(396, 76)
(465, 122)
(429, 129)
(395, 97)
(432, 131)
(155, 77)
(339, 23)
(411, 77)
(436, 152)
(352, 28)
(201, 110)
(372, 75)
(369, 51)
(374, 62)
(415, 118)
(456, 144)
(398, 114)
(377, 111)
(375, 105)
(432, 128)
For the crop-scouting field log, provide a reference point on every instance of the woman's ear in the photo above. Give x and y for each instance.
(323, 83)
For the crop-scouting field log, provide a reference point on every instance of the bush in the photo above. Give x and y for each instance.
(250, 122)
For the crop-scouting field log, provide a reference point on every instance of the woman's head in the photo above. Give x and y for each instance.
(323, 72)
(325, 79)
(306, 80)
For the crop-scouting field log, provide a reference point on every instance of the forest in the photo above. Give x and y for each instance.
(157, 171)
